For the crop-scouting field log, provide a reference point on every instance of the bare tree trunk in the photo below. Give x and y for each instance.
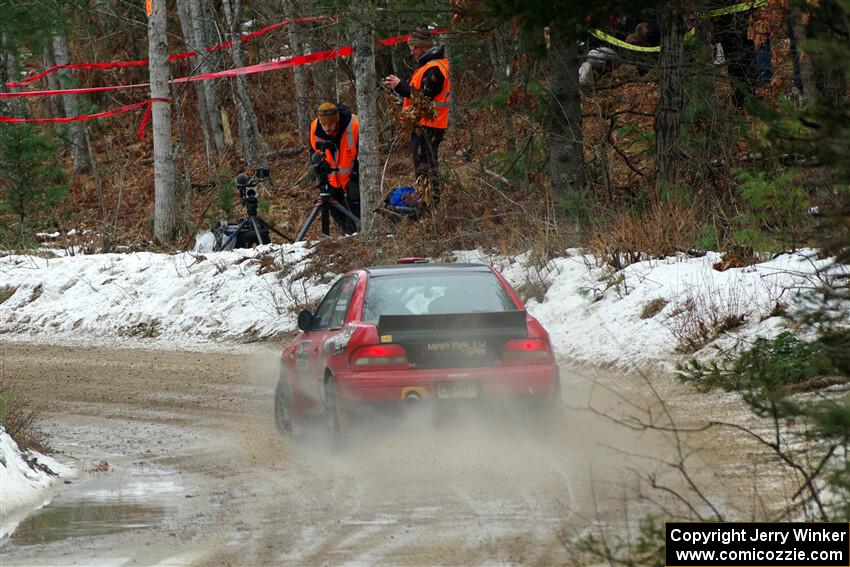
(77, 130)
(563, 122)
(501, 61)
(130, 19)
(323, 78)
(11, 72)
(302, 104)
(184, 13)
(4, 76)
(54, 103)
(324, 72)
(165, 202)
(715, 136)
(367, 110)
(204, 64)
(668, 115)
(253, 147)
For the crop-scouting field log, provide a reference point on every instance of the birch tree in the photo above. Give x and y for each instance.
(204, 64)
(322, 72)
(165, 200)
(253, 147)
(365, 82)
(184, 14)
(54, 104)
(77, 131)
(296, 46)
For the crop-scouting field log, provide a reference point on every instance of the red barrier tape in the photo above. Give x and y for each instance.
(146, 118)
(249, 70)
(129, 107)
(13, 120)
(26, 94)
(178, 57)
(295, 61)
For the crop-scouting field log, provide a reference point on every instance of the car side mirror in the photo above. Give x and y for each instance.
(305, 320)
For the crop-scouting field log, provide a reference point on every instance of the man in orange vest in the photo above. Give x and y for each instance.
(336, 124)
(432, 78)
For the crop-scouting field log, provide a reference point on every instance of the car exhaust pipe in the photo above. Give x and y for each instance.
(412, 398)
(413, 395)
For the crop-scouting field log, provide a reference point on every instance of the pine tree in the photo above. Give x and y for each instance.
(32, 182)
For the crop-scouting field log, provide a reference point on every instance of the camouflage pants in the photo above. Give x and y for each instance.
(424, 143)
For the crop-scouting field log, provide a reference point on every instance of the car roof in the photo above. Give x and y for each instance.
(425, 268)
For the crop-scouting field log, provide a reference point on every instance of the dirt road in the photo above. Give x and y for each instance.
(197, 474)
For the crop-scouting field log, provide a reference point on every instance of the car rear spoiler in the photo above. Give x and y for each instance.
(500, 325)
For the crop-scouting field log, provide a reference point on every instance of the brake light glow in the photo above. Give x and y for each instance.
(379, 355)
(525, 350)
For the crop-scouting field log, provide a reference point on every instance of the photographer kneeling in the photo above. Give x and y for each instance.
(335, 134)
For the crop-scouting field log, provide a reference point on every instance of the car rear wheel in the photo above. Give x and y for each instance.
(336, 439)
(282, 399)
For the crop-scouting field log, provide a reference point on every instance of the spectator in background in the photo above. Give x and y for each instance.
(432, 79)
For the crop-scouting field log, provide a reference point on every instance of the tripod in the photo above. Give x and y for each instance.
(323, 205)
(248, 193)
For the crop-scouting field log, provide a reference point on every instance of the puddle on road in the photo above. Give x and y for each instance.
(104, 504)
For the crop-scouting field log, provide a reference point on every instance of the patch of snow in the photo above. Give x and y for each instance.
(592, 313)
(204, 242)
(22, 486)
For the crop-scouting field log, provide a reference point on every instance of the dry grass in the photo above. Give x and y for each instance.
(653, 308)
(534, 285)
(6, 292)
(475, 212)
(20, 420)
(665, 229)
(704, 314)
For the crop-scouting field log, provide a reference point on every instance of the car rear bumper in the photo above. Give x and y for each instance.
(488, 383)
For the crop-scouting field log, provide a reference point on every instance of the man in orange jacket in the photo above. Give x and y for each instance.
(336, 124)
(432, 78)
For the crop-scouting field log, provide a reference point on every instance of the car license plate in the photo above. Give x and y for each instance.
(457, 389)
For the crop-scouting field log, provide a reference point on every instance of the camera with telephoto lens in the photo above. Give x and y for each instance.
(247, 187)
(248, 231)
(321, 167)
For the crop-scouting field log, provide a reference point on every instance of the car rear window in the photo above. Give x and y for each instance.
(434, 293)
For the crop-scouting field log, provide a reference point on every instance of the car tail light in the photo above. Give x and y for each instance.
(380, 356)
(523, 351)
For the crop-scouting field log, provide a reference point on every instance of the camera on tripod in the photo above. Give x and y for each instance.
(321, 167)
(247, 187)
(251, 230)
(326, 200)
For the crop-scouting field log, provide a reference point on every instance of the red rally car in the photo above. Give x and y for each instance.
(414, 332)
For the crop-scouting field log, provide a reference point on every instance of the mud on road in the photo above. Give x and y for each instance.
(196, 473)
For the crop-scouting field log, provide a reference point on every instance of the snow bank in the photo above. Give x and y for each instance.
(593, 314)
(596, 315)
(24, 481)
(182, 297)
